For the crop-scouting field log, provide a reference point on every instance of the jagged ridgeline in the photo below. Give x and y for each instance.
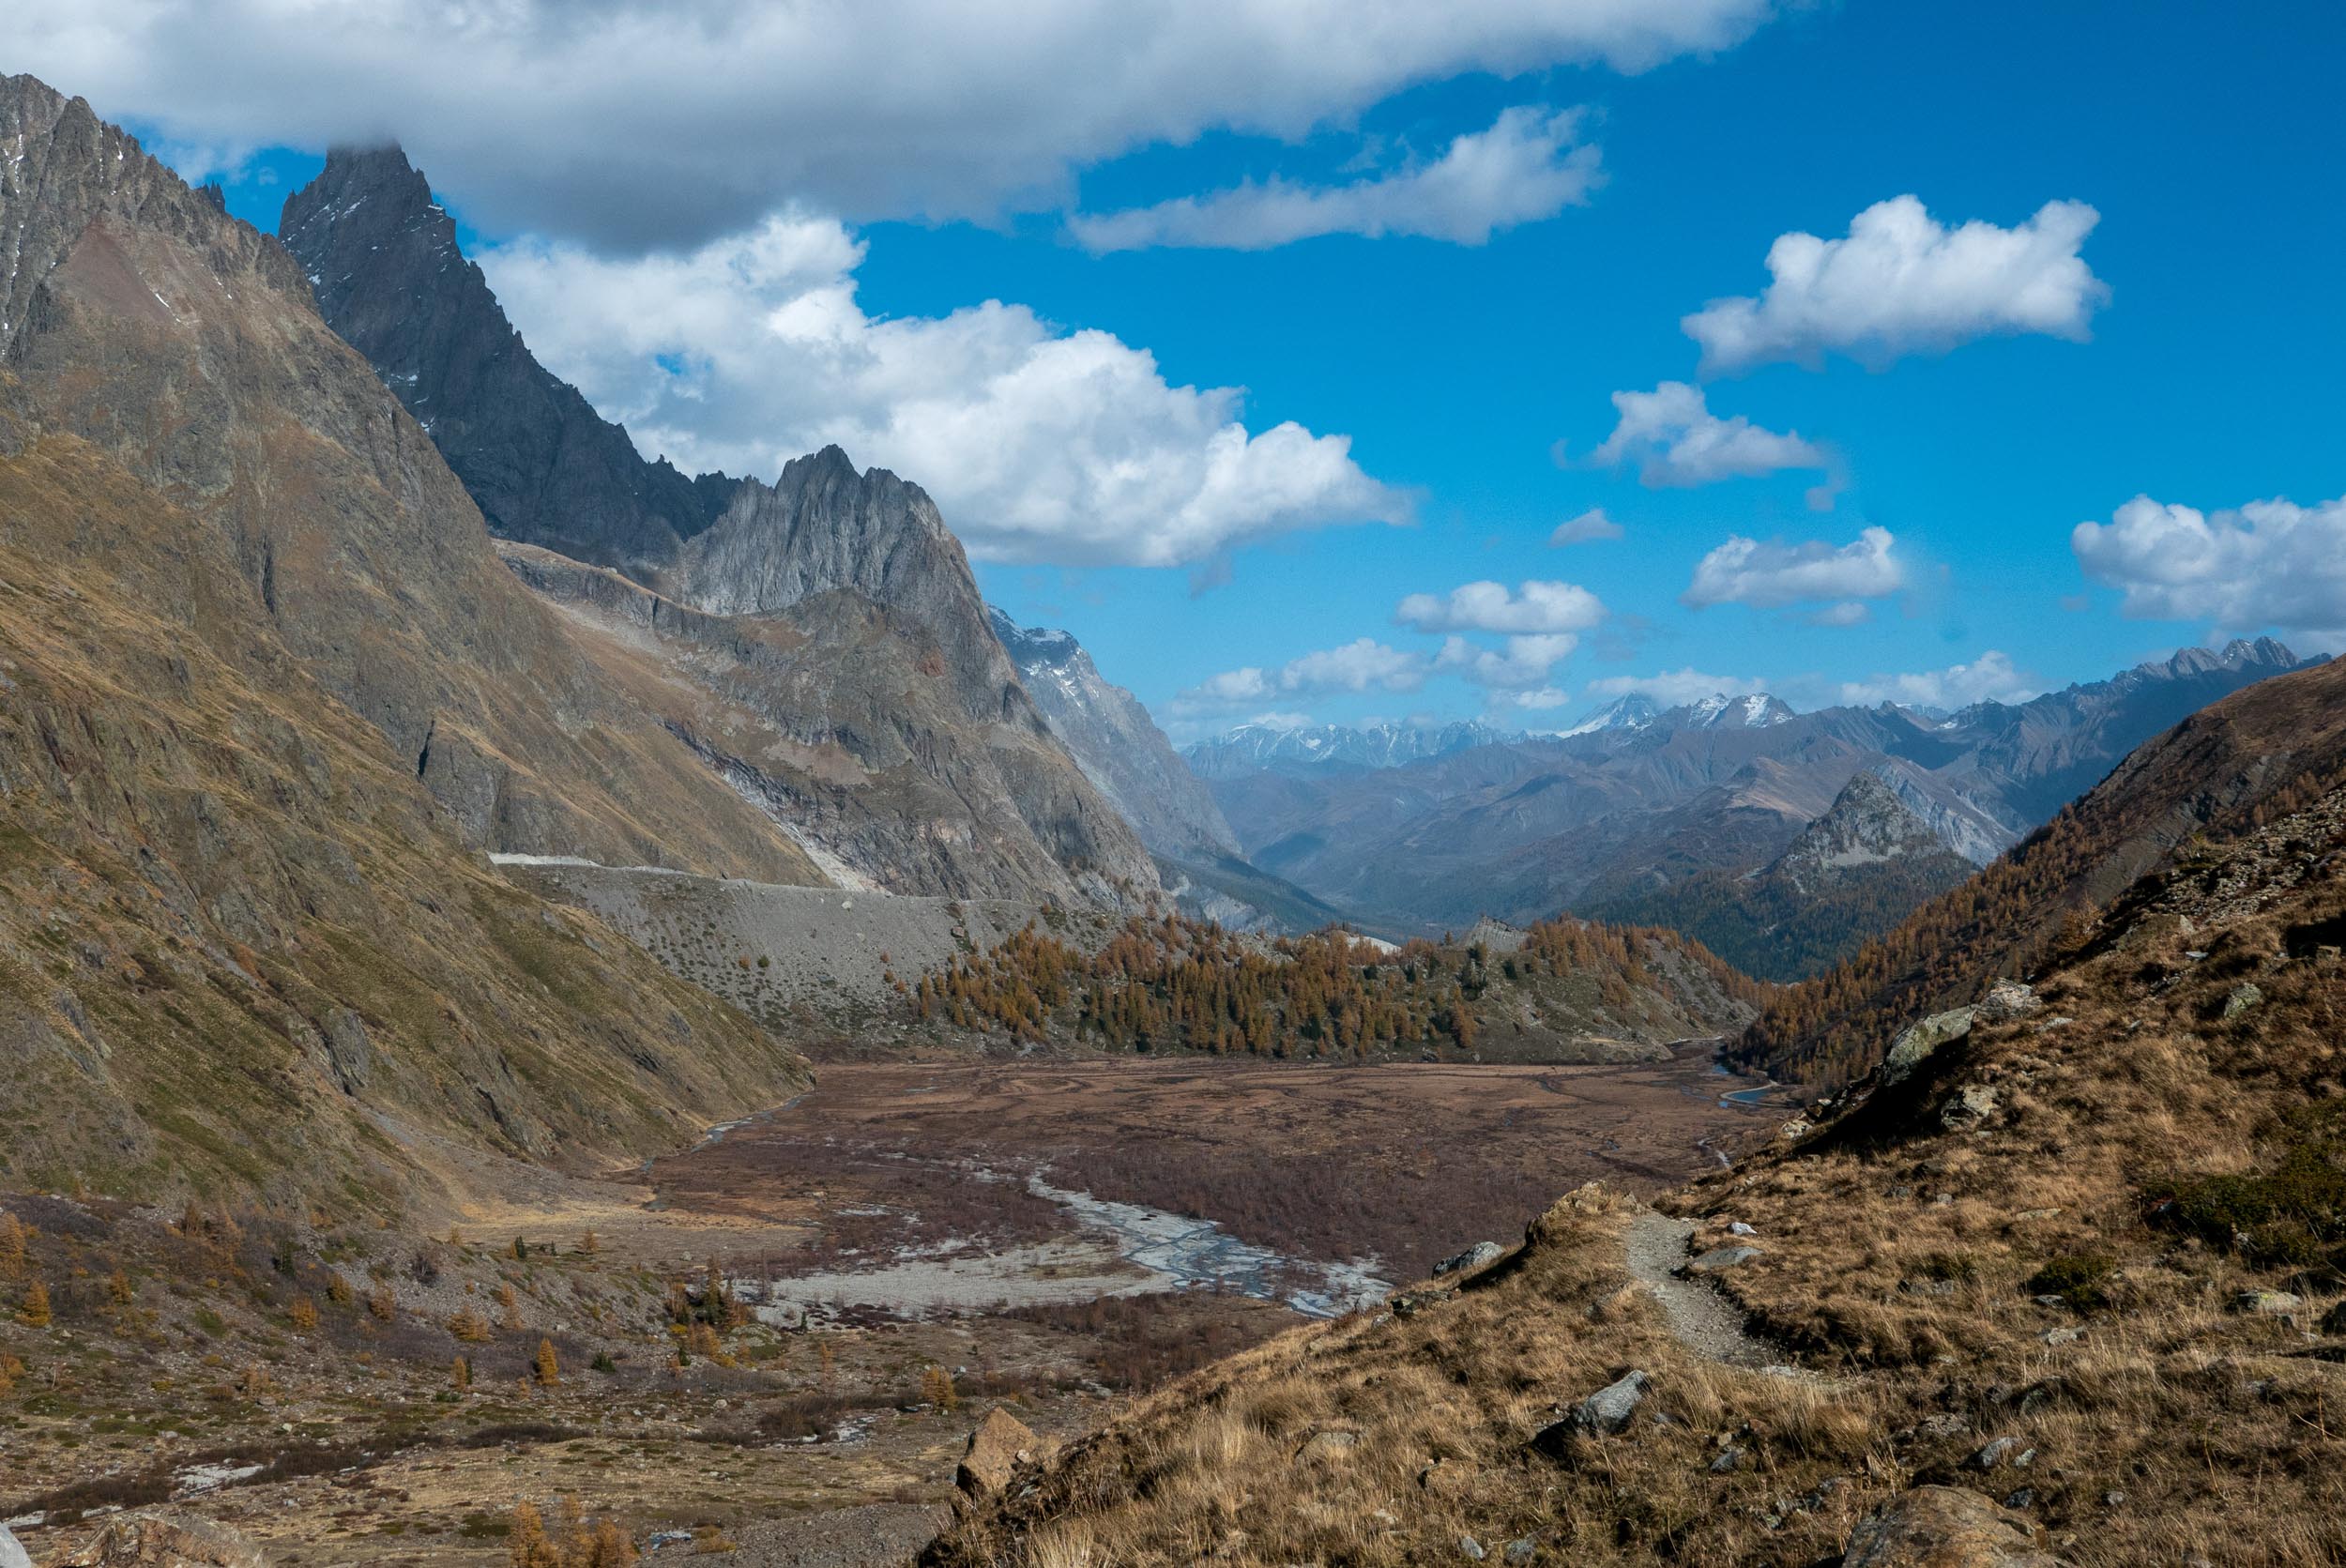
(264, 691)
(1564, 990)
(817, 642)
(2254, 756)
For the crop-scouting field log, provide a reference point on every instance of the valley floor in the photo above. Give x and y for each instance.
(1057, 1236)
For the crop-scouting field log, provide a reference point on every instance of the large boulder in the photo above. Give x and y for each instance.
(1001, 1444)
(1606, 1410)
(166, 1541)
(1480, 1256)
(11, 1553)
(1916, 1044)
(1946, 1527)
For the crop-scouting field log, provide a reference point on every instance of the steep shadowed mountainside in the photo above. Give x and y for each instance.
(2220, 773)
(1606, 815)
(831, 618)
(543, 467)
(1117, 744)
(268, 688)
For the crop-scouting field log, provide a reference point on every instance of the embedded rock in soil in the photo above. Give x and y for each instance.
(1001, 1444)
(1945, 1527)
(167, 1540)
(1608, 1410)
(1916, 1044)
(1721, 1258)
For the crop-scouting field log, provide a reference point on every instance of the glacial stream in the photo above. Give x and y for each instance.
(1197, 1255)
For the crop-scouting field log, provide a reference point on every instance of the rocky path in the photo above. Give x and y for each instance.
(1702, 1318)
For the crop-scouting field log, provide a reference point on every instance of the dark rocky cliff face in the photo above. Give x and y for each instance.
(542, 466)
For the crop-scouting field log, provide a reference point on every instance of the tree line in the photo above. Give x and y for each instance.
(1169, 983)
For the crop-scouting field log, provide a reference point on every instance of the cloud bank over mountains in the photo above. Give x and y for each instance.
(1040, 445)
(928, 108)
(2269, 563)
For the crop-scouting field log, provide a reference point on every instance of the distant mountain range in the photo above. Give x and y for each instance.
(1122, 751)
(1718, 711)
(1610, 818)
(1252, 748)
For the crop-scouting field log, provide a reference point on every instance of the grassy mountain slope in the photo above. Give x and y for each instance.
(242, 950)
(2075, 1277)
(266, 688)
(2259, 753)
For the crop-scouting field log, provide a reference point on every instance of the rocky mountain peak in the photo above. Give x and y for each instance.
(1867, 823)
(541, 464)
(1720, 711)
(822, 526)
(1036, 649)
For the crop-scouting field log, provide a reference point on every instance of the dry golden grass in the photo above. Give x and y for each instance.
(1903, 1255)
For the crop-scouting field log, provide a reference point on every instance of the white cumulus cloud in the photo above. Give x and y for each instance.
(644, 123)
(1523, 662)
(1533, 606)
(1587, 528)
(1771, 574)
(1040, 445)
(1676, 441)
(1989, 678)
(1528, 166)
(1363, 664)
(1901, 283)
(2269, 563)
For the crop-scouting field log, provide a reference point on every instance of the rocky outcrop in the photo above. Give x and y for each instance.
(167, 1540)
(999, 1445)
(1868, 825)
(541, 462)
(1946, 1527)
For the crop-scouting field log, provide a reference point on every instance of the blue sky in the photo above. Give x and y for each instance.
(2192, 359)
